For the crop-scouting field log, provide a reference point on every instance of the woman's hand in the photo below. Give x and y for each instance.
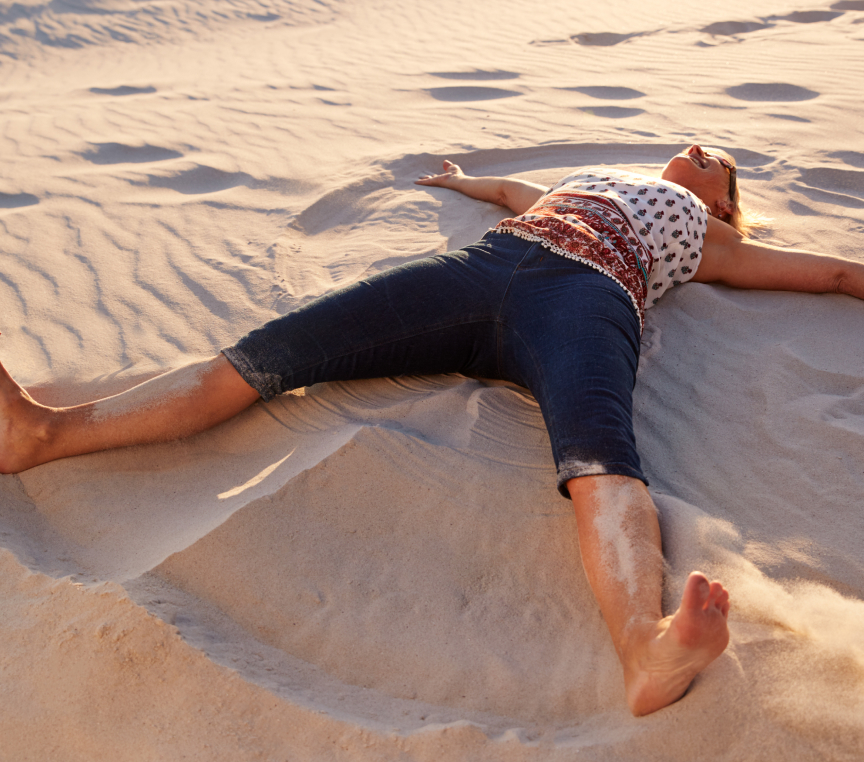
(445, 179)
(516, 195)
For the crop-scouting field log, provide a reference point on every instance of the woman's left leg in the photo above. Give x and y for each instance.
(619, 540)
(573, 339)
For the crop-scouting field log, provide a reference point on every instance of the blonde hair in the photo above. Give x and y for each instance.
(745, 220)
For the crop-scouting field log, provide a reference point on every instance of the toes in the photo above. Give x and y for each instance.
(703, 595)
(696, 591)
(717, 595)
(719, 600)
(722, 601)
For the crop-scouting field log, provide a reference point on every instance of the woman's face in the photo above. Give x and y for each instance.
(703, 175)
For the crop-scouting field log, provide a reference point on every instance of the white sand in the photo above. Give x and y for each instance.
(383, 570)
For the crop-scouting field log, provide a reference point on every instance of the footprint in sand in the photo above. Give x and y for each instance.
(809, 17)
(477, 74)
(17, 200)
(602, 39)
(733, 28)
(122, 90)
(770, 91)
(612, 112)
(470, 93)
(609, 93)
(120, 153)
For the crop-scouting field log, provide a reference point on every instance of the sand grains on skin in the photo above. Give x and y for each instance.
(685, 643)
(660, 657)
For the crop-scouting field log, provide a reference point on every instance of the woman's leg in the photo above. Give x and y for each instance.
(435, 315)
(619, 538)
(176, 404)
(577, 349)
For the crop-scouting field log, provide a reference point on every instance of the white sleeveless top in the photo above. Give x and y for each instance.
(643, 232)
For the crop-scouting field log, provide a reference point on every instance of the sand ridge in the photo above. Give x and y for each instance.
(383, 569)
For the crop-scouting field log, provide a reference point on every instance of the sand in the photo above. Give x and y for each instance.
(383, 570)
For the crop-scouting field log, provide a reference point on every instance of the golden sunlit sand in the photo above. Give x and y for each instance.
(383, 570)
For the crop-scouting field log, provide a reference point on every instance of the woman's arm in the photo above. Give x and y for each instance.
(517, 195)
(731, 259)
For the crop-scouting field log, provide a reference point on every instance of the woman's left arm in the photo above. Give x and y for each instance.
(731, 259)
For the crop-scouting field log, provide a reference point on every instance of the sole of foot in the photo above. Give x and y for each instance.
(670, 653)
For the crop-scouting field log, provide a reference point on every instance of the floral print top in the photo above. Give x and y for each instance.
(643, 232)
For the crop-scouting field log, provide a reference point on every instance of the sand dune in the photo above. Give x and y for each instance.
(383, 569)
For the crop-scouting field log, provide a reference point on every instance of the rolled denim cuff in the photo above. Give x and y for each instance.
(569, 471)
(268, 385)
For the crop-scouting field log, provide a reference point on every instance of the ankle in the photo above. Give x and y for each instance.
(27, 433)
(45, 426)
(637, 634)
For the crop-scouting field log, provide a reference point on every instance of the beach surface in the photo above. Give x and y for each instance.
(384, 570)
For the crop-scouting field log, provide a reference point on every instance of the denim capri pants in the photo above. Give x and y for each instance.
(502, 308)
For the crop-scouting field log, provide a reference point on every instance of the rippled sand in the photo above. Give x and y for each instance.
(383, 570)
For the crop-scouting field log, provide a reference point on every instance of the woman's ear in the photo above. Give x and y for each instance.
(724, 207)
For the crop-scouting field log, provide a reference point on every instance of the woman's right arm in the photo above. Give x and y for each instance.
(517, 195)
(733, 260)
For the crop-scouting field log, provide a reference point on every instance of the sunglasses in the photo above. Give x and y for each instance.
(733, 174)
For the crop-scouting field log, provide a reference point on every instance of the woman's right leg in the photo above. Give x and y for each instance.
(176, 404)
(432, 316)
(578, 351)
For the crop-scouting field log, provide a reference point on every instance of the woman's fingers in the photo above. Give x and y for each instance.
(450, 169)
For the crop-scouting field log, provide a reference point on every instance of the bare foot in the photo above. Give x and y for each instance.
(666, 656)
(23, 427)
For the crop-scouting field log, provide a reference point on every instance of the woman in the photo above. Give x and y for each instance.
(552, 299)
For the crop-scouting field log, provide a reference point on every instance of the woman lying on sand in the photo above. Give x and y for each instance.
(552, 299)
